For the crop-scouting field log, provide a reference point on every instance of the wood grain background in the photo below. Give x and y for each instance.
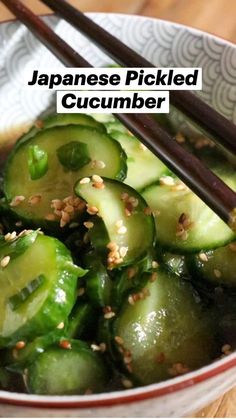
(215, 16)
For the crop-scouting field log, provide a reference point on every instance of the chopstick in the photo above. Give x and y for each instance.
(218, 196)
(219, 128)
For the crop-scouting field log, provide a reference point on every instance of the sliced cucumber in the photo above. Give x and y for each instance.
(176, 264)
(26, 310)
(58, 180)
(62, 120)
(67, 371)
(80, 320)
(133, 232)
(143, 166)
(184, 223)
(216, 266)
(167, 333)
(98, 284)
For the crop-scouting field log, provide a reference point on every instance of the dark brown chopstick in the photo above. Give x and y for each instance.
(200, 179)
(213, 123)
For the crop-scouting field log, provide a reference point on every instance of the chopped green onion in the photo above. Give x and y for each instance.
(37, 162)
(73, 155)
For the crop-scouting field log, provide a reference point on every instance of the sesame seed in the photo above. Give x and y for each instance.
(69, 209)
(142, 147)
(84, 180)
(203, 257)
(4, 262)
(131, 272)
(109, 315)
(147, 211)
(155, 264)
(39, 124)
(65, 216)
(17, 200)
(97, 179)
(118, 261)
(122, 230)
(80, 292)
(50, 217)
(226, 349)
(60, 325)
(131, 300)
(10, 236)
(20, 345)
(180, 138)
(98, 185)
(217, 273)
(119, 340)
(35, 199)
(167, 180)
(119, 223)
(103, 347)
(65, 344)
(92, 210)
(112, 246)
(88, 224)
(123, 251)
(127, 383)
(18, 223)
(100, 164)
(124, 196)
(153, 277)
(95, 347)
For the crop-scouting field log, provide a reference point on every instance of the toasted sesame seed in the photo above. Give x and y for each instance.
(95, 347)
(119, 340)
(20, 345)
(17, 200)
(127, 212)
(103, 346)
(35, 199)
(123, 251)
(92, 210)
(112, 246)
(84, 180)
(131, 272)
(179, 187)
(98, 185)
(131, 300)
(119, 223)
(155, 264)
(124, 196)
(88, 224)
(127, 383)
(10, 236)
(69, 209)
(147, 211)
(203, 257)
(226, 349)
(118, 261)
(122, 230)
(109, 315)
(153, 277)
(18, 223)
(65, 216)
(97, 179)
(142, 147)
(100, 164)
(167, 180)
(50, 217)
(60, 325)
(4, 262)
(80, 292)
(65, 344)
(180, 138)
(39, 124)
(217, 273)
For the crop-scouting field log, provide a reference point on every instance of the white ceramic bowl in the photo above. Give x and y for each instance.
(164, 44)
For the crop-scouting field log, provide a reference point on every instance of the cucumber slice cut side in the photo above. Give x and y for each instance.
(67, 371)
(130, 231)
(144, 168)
(184, 223)
(28, 311)
(105, 155)
(166, 334)
(218, 267)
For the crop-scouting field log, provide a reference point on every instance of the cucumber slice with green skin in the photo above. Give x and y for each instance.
(60, 120)
(168, 328)
(67, 371)
(58, 182)
(215, 266)
(98, 284)
(134, 233)
(205, 230)
(80, 320)
(50, 303)
(144, 168)
(176, 264)
(16, 247)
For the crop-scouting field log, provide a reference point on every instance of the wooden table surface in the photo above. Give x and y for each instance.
(216, 16)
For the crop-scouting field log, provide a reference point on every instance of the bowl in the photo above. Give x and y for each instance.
(164, 44)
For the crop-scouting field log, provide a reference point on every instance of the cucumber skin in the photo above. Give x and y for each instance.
(37, 382)
(51, 313)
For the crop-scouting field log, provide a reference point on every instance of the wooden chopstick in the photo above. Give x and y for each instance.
(218, 196)
(219, 128)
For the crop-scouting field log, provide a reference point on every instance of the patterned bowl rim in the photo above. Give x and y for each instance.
(163, 388)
